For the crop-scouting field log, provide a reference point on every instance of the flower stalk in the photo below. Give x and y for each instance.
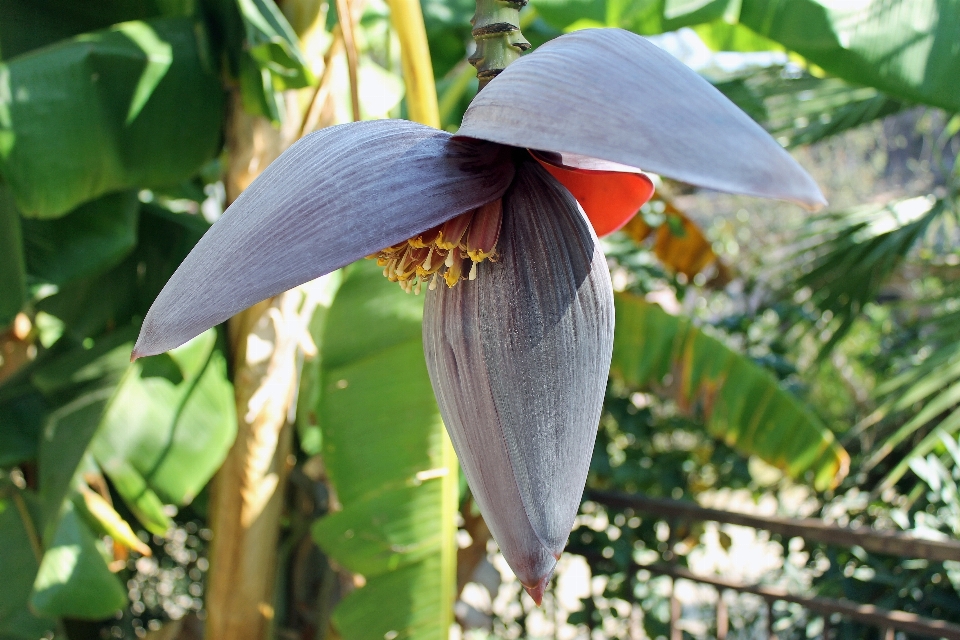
(496, 30)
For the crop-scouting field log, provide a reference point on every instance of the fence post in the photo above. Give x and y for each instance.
(723, 617)
(675, 611)
(770, 634)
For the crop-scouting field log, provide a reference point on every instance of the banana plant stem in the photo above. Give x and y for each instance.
(496, 30)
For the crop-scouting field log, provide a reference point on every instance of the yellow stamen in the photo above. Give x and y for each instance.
(441, 251)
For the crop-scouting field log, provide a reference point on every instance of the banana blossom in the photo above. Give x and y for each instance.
(519, 334)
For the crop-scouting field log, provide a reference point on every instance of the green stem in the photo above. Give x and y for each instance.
(496, 31)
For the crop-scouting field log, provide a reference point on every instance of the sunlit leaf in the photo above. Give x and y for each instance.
(727, 35)
(385, 531)
(101, 515)
(923, 401)
(802, 109)
(104, 112)
(738, 400)
(19, 538)
(678, 242)
(73, 579)
(645, 18)
(140, 499)
(172, 418)
(268, 59)
(406, 603)
(389, 461)
(904, 47)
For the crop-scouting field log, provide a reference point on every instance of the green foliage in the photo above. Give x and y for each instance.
(157, 428)
(172, 418)
(73, 579)
(94, 237)
(906, 48)
(143, 109)
(99, 101)
(448, 26)
(917, 586)
(653, 348)
(846, 256)
(262, 52)
(646, 18)
(920, 408)
(13, 289)
(25, 26)
(272, 62)
(398, 488)
(19, 515)
(800, 109)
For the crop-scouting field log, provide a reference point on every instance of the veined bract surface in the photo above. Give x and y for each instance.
(519, 369)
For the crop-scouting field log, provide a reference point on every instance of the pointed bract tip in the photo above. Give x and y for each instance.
(815, 204)
(536, 592)
(138, 350)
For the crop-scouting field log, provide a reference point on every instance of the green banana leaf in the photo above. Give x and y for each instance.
(390, 462)
(645, 18)
(158, 428)
(21, 421)
(172, 418)
(94, 305)
(13, 288)
(26, 25)
(262, 52)
(137, 105)
(738, 400)
(19, 534)
(73, 579)
(92, 238)
(907, 48)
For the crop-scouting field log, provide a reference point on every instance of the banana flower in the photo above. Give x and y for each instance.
(518, 318)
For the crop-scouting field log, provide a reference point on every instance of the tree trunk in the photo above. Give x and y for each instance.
(247, 493)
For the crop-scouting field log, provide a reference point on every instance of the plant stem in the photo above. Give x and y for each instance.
(407, 19)
(496, 30)
(246, 497)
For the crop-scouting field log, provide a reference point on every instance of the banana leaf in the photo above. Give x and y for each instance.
(137, 105)
(390, 462)
(737, 400)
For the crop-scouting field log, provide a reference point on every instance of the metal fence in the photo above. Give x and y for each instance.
(890, 543)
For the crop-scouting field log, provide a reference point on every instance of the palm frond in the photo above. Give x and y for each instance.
(798, 108)
(845, 257)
